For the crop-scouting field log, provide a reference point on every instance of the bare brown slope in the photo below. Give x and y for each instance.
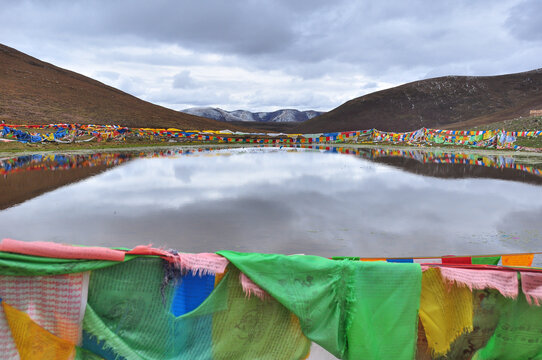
(436, 103)
(36, 92)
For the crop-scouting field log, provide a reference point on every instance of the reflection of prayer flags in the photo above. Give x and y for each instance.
(517, 260)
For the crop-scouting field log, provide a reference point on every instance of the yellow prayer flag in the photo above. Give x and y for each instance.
(34, 342)
(445, 311)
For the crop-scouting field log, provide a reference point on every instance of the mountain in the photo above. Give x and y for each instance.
(279, 116)
(36, 92)
(452, 102)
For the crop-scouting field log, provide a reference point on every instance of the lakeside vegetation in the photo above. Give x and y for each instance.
(531, 123)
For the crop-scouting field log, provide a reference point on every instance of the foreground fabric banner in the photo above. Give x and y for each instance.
(149, 303)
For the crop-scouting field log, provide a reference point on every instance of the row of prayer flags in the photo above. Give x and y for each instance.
(156, 304)
(493, 138)
(505, 260)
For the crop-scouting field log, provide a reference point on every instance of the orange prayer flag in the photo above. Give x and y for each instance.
(517, 260)
(372, 259)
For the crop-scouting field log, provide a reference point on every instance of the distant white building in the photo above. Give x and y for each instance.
(535, 113)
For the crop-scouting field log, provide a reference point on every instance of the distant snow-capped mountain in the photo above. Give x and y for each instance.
(285, 115)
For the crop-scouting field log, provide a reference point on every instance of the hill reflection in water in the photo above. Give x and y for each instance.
(277, 200)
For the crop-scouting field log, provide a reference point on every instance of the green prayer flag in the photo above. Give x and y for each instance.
(385, 311)
(82, 354)
(518, 332)
(29, 265)
(353, 258)
(129, 313)
(343, 305)
(486, 260)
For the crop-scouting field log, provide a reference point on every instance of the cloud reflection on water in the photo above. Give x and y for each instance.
(269, 201)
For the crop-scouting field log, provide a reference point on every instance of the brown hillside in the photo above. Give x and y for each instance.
(445, 102)
(36, 92)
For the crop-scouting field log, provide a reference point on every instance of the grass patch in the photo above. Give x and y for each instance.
(532, 123)
(533, 142)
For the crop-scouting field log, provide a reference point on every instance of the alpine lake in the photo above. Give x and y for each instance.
(361, 201)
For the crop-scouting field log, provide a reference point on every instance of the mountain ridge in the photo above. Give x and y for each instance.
(279, 116)
(443, 102)
(36, 92)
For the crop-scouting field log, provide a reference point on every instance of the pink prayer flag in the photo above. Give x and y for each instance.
(531, 285)
(203, 263)
(506, 282)
(55, 250)
(251, 288)
(149, 250)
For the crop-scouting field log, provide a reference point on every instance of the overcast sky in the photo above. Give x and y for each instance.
(262, 55)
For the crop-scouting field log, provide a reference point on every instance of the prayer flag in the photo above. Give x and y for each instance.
(457, 260)
(32, 341)
(445, 311)
(517, 260)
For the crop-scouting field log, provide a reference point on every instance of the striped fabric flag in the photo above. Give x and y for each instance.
(55, 303)
(34, 342)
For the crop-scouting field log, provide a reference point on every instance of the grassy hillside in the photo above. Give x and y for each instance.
(36, 92)
(454, 102)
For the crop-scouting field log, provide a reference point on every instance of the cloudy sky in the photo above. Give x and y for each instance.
(263, 55)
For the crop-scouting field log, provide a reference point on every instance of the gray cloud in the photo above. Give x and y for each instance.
(109, 75)
(331, 48)
(183, 80)
(369, 85)
(524, 20)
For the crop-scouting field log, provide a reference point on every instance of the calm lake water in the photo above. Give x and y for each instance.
(372, 203)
